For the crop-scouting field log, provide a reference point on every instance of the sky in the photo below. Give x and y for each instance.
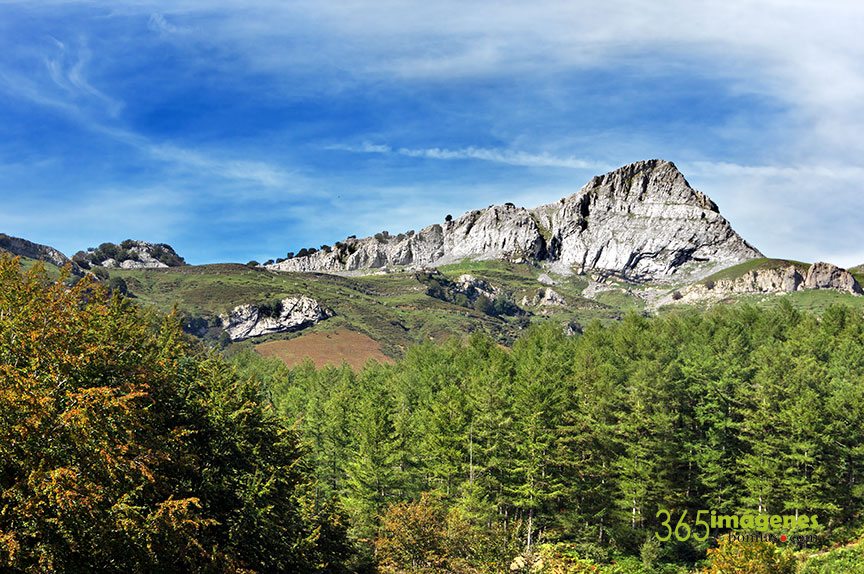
(240, 130)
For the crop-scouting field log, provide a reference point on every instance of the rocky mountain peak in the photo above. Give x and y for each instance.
(642, 221)
(651, 177)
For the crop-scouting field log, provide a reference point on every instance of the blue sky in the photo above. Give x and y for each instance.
(241, 130)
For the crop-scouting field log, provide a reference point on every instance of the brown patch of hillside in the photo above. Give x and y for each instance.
(326, 348)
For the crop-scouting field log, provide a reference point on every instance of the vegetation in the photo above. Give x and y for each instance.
(126, 251)
(581, 440)
(126, 448)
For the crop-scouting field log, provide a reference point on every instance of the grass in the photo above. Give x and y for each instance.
(391, 309)
(394, 311)
(52, 270)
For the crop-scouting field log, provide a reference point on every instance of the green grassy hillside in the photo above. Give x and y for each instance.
(393, 309)
(396, 310)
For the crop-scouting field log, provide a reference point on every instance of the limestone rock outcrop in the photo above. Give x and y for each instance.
(774, 279)
(642, 222)
(25, 248)
(544, 297)
(291, 314)
(130, 254)
(823, 275)
(473, 287)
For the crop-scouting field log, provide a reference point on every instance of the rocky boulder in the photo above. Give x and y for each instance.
(472, 287)
(545, 297)
(827, 276)
(290, 314)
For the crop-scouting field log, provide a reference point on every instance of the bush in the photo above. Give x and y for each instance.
(101, 274)
(677, 296)
(270, 308)
(81, 259)
(165, 253)
(118, 285)
(252, 264)
(751, 557)
(838, 561)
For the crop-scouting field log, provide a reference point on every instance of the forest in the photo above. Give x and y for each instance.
(127, 446)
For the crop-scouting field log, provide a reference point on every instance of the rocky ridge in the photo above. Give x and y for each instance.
(642, 222)
(779, 279)
(25, 248)
(289, 314)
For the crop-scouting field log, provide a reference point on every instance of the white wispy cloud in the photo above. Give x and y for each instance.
(505, 156)
(257, 172)
(158, 23)
(802, 59)
(69, 73)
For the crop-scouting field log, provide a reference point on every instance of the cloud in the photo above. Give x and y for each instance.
(71, 76)
(257, 172)
(508, 157)
(159, 24)
(467, 86)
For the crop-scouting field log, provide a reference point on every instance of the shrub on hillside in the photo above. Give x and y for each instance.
(751, 557)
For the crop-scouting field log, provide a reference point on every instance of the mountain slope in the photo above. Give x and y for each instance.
(642, 221)
(35, 251)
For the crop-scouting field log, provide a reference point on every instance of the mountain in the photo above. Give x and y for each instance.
(30, 250)
(639, 238)
(641, 222)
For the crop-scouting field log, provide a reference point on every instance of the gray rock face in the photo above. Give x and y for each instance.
(544, 297)
(24, 248)
(781, 280)
(827, 276)
(785, 279)
(473, 288)
(295, 313)
(642, 221)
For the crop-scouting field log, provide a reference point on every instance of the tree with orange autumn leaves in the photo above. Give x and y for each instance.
(125, 447)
